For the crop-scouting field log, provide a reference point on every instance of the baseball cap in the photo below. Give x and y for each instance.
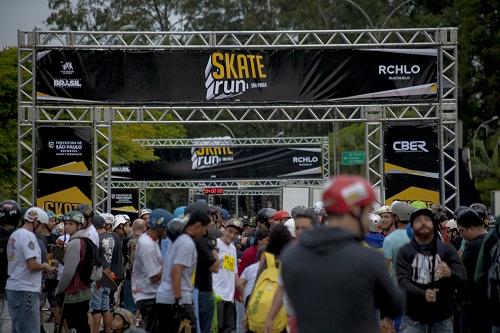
(421, 211)
(281, 214)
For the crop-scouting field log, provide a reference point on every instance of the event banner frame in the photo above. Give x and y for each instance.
(33, 113)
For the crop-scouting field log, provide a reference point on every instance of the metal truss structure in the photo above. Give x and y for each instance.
(102, 117)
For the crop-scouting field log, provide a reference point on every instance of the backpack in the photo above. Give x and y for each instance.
(261, 299)
(91, 271)
(494, 274)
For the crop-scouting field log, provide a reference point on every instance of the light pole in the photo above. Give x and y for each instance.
(477, 130)
(365, 14)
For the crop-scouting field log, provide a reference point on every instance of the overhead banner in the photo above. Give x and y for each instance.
(236, 76)
(226, 162)
(64, 164)
(411, 163)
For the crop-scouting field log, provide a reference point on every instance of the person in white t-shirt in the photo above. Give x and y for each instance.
(224, 281)
(25, 273)
(175, 294)
(147, 268)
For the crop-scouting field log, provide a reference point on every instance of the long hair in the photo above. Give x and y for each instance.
(278, 239)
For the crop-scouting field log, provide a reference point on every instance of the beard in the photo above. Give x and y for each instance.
(423, 232)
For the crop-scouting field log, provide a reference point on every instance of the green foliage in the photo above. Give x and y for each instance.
(8, 122)
(125, 151)
(349, 138)
(486, 166)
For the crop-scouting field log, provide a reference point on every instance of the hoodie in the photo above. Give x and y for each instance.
(335, 282)
(75, 279)
(416, 273)
(484, 263)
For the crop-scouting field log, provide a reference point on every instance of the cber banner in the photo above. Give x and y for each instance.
(64, 161)
(226, 162)
(236, 76)
(411, 163)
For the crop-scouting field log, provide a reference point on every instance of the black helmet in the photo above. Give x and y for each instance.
(86, 210)
(175, 228)
(10, 213)
(480, 209)
(265, 214)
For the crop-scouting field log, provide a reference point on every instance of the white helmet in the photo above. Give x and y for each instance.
(35, 214)
(290, 224)
(319, 208)
(451, 224)
(384, 209)
(58, 230)
(108, 218)
(119, 219)
(374, 222)
(144, 211)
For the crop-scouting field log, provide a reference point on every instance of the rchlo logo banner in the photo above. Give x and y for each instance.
(229, 74)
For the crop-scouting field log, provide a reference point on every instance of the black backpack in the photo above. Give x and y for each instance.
(91, 268)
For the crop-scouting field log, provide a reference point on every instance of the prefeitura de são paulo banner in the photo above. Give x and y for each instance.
(236, 76)
(226, 162)
(64, 164)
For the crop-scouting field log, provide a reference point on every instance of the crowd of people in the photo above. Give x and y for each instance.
(339, 266)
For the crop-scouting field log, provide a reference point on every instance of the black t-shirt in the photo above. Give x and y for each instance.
(203, 279)
(111, 253)
(4, 239)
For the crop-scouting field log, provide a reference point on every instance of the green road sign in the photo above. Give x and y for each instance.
(353, 157)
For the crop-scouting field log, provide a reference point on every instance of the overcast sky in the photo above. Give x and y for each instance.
(20, 14)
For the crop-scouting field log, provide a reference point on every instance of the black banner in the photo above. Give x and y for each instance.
(125, 201)
(224, 162)
(236, 76)
(411, 163)
(64, 164)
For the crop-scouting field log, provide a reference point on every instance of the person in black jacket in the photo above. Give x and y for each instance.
(430, 272)
(334, 283)
(475, 307)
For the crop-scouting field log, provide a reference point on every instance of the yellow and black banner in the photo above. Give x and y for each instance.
(411, 163)
(236, 76)
(125, 201)
(64, 164)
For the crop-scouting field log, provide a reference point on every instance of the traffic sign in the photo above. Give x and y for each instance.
(353, 157)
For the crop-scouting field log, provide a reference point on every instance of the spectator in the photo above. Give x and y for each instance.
(429, 271)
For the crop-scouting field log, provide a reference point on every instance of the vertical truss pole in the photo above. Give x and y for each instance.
(191, 195)
(374, 164)
(448, 117)
(102, 134)
(325, 156)
(26, 120)
(142, 197)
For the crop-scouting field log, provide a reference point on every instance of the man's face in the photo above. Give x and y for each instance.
(230, 234)
(52, 223)
(199, 230)
(120, 230)
(423, 226)
(70, 227)
(145, 217)
(263, 242)
(302, 224)
(466, 233)
(387, 220)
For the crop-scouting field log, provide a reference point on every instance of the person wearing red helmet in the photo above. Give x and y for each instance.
(281, 216)
(332, 280)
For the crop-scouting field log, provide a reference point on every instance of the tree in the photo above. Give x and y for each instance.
(486, 166)
(8, 123)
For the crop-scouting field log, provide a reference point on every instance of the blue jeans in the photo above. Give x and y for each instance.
(409, 325)
(24, 309)
(99, 301)
(205, 310)
(128, 300)
(5, 321)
